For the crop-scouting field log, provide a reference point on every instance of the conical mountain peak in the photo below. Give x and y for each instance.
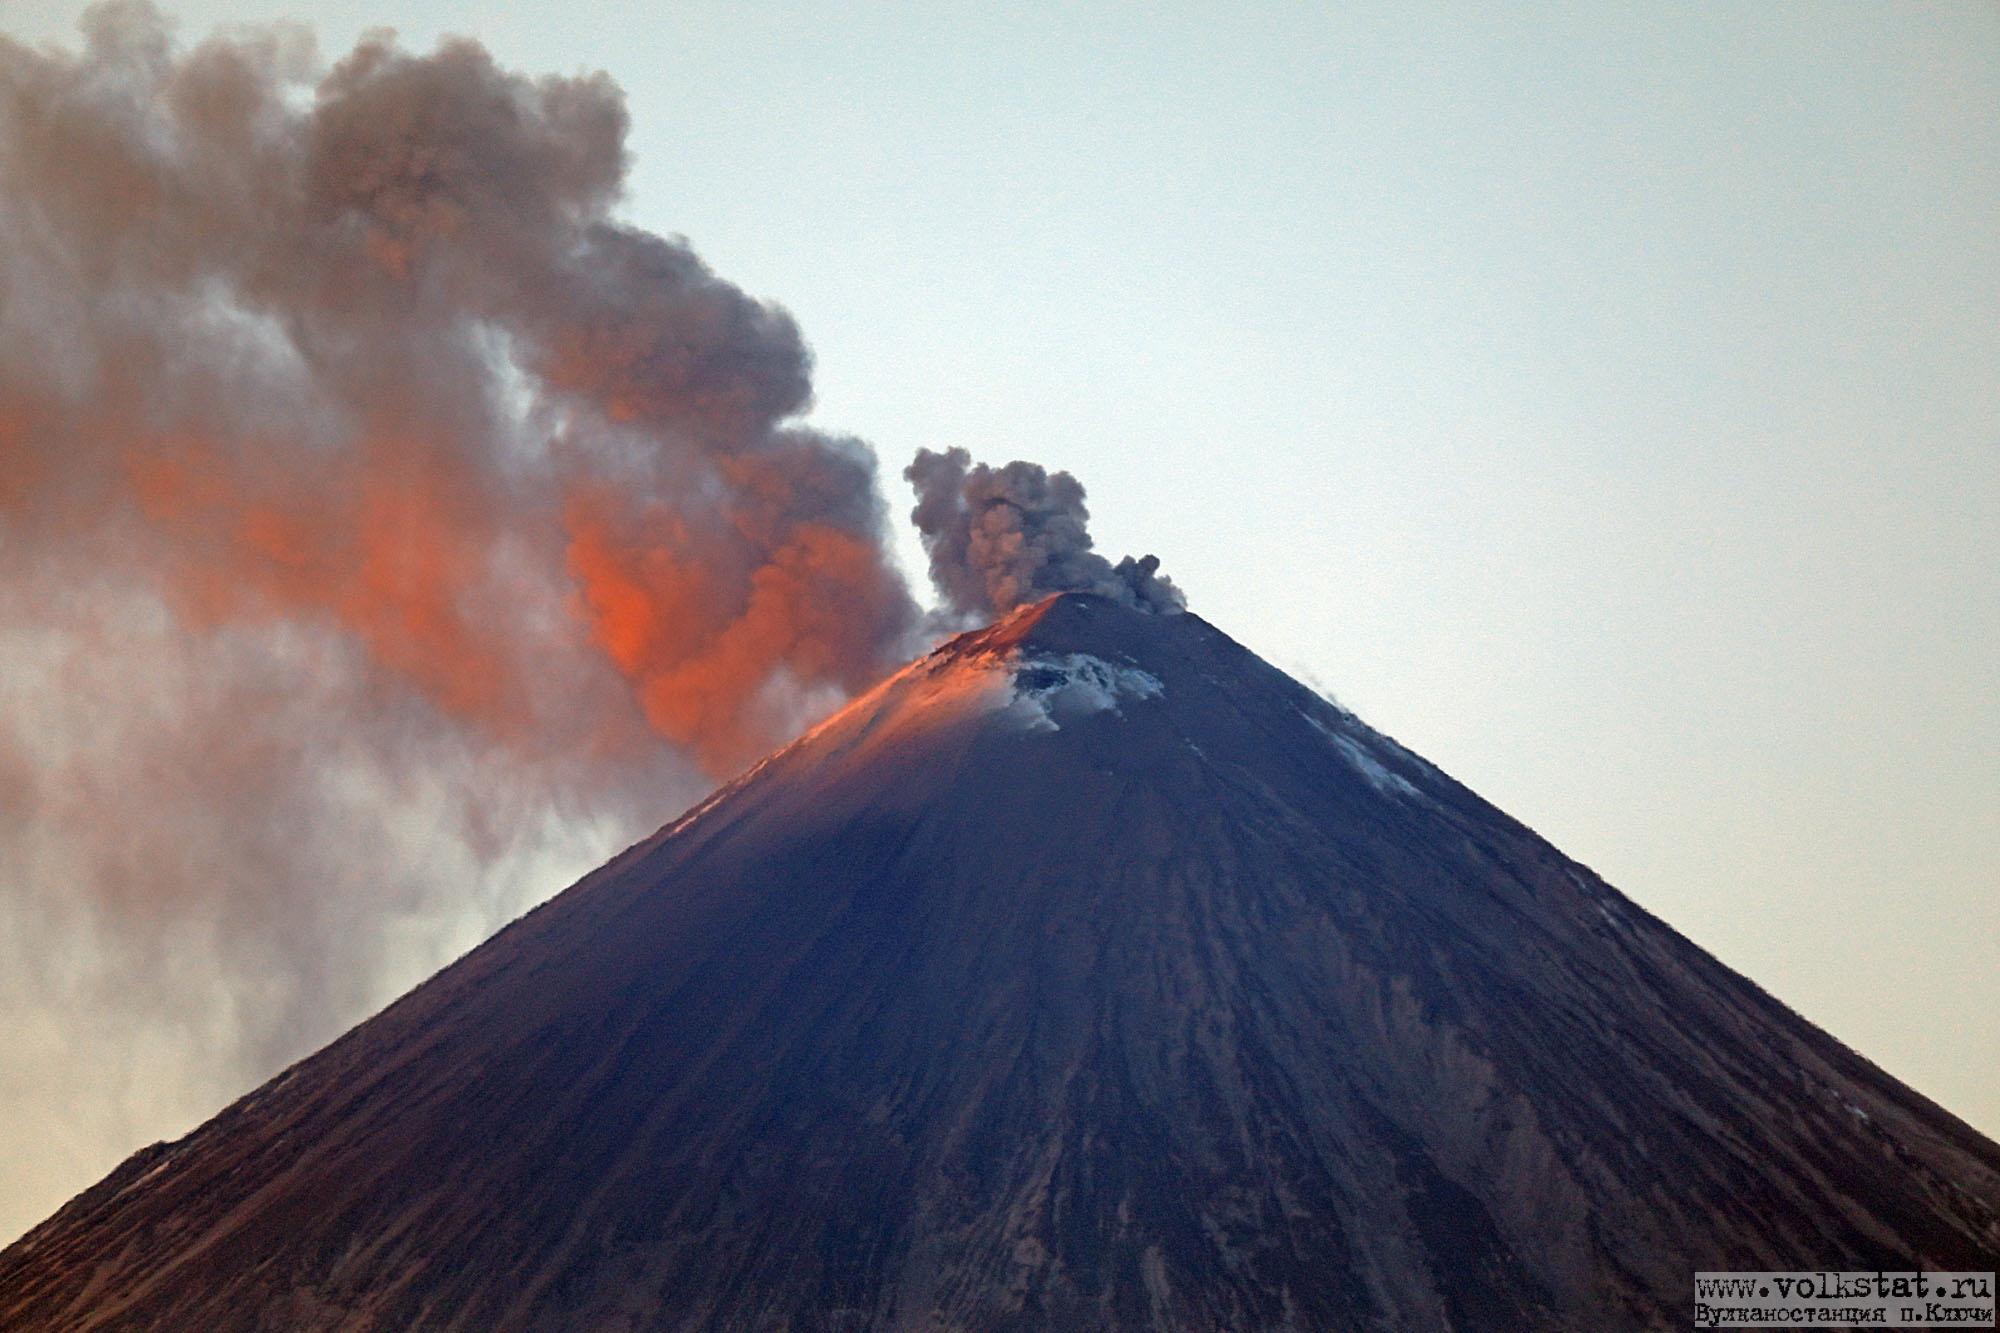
(1088, 973)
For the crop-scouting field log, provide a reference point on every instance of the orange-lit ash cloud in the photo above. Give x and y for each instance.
(394, 560)
(383, 361)
(699, 640)
(387, 533)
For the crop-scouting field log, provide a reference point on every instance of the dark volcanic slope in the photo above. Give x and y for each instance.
(1089, 974)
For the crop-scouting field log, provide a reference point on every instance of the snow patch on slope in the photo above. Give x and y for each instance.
(1372, 769)
(1395, 784)
(1049, 686)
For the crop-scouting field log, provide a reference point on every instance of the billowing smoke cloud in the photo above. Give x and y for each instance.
(387, 534)
(384, 362)
(999, 537)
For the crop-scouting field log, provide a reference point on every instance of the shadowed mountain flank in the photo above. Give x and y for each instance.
(1088, 973)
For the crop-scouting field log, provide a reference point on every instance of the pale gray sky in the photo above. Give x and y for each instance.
(1602, 400)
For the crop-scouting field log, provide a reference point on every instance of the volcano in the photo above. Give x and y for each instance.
(1089, 973)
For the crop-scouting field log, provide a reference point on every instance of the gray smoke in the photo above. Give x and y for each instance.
(1001, 537)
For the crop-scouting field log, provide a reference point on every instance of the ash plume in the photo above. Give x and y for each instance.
(387, 363)
(387, 533)
(999, 537)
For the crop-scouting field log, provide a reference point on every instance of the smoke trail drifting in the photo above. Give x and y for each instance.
(386, 534)
(998, 537)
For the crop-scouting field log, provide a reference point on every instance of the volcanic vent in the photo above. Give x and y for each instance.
(1087, 974)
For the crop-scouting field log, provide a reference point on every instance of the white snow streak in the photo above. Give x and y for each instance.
(1367, 764)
